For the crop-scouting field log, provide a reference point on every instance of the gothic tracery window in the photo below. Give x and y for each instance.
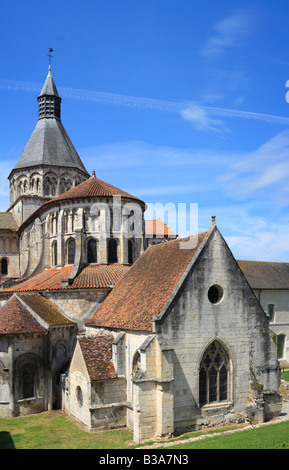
(214, 375)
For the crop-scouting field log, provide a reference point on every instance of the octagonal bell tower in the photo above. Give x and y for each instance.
(49, 164)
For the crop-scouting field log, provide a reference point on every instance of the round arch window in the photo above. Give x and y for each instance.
(215, 294)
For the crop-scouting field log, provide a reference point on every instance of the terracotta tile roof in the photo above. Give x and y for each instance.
(145, 289)
(7, 221)
(91, 277)
(97, 354)
(158, 227)
(45, 309)
(265, 274)
(15, 318)
(92, 187)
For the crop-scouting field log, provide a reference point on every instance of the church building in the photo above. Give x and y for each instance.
(111, 320)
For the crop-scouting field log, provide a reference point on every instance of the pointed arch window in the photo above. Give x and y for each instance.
(112, 251)
(70, 251)
(91, 251)
(214, 375)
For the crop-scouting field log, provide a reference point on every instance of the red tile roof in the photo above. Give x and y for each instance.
(8, 222)
(97, 354)
(91, 277)
(158, 227)
(92, 187)
(45, 309)
(15, 318)
(146, 288)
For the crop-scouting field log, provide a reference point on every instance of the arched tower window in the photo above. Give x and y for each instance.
(130, 252)
(70, 251)
(112, 251)
(54, 253)
(4, 267)
(214, 375)
(91, 251)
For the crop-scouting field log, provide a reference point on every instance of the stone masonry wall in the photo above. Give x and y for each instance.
(237, 322)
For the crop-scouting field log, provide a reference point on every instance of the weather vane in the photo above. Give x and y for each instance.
(50, 56)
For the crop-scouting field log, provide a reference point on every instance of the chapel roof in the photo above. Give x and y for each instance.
(30, 313)
(45, 309)
(15, 318)
(97, 354)
(148, 285)
(8, 222)
(91, 277)
(265, 274)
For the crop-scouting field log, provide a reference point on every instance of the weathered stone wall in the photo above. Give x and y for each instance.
(47, 354)
(280, 323)
(91, 219)
(77, 305)
(237, 322)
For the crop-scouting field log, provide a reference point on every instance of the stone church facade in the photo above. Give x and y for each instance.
(113, 328)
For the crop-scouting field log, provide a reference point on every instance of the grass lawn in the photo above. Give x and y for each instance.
(275, 436)
(285, 375)
(54, 430)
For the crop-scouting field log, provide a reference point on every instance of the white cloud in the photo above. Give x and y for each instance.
(199, 118)
(229, 32)
(263, 173)
(270, 245)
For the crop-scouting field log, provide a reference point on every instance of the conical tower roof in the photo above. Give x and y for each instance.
(49, 87)
(49, 143)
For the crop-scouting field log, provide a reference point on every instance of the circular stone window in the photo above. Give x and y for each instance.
(79, 396)
(215, 294)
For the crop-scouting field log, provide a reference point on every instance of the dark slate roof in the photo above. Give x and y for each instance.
(147, 287)
(97, 354)
(49, 87)
(49, 144)
(265, 274)
(7, 221)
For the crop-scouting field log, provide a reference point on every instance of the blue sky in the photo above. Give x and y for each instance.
(174, 101)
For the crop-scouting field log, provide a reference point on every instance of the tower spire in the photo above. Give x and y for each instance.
(49, 99)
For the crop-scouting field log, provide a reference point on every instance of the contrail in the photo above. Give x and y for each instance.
(140, 102)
